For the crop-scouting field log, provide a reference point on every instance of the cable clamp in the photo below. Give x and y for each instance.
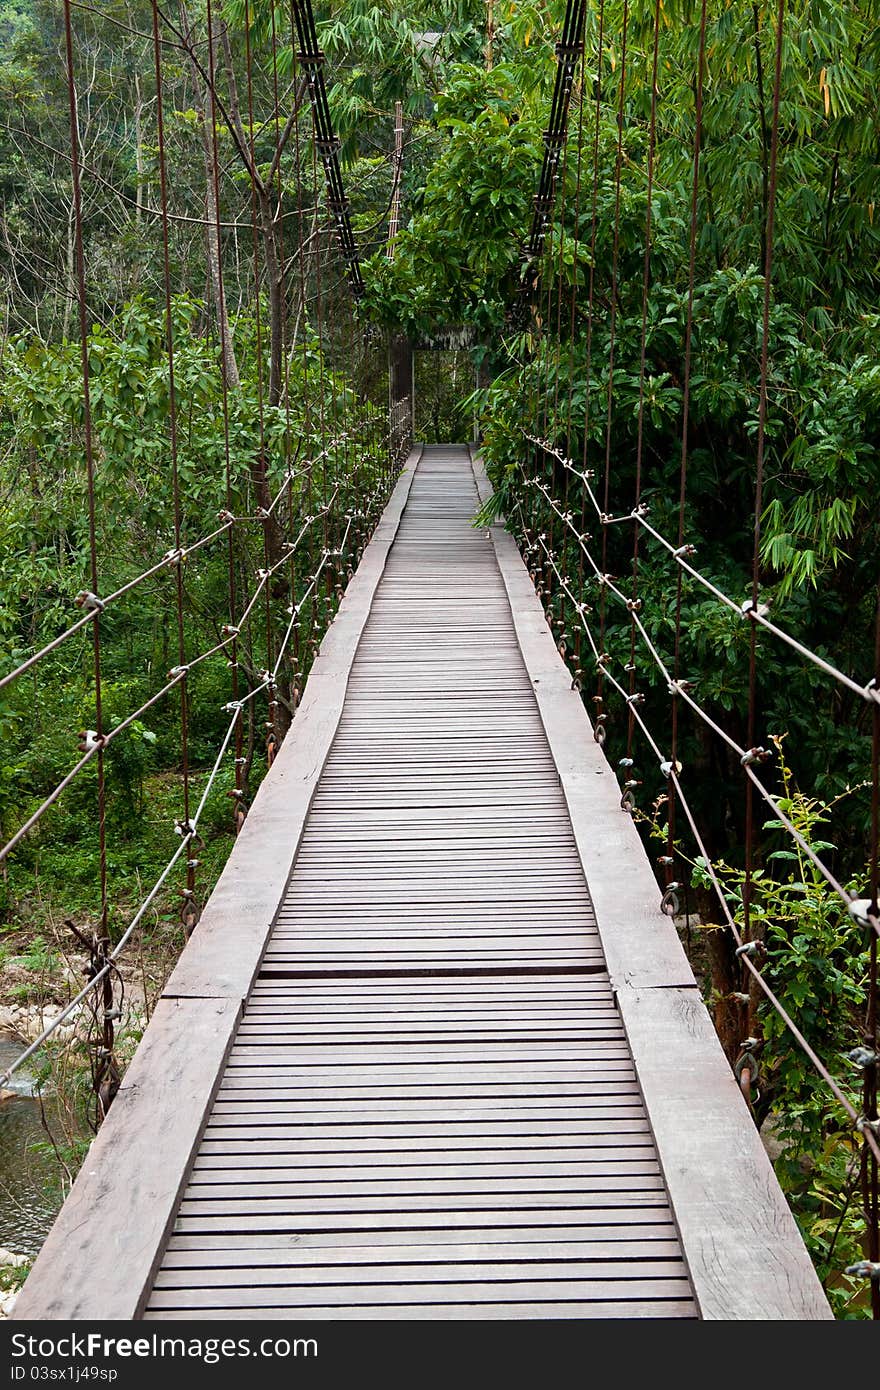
(625, 762)
(89, 601)
(569, 50)
(864, 1269)
(669, 903)
(233, 707)
(749, 610)
(229, 631)
(184, 827)
(863, 911)
(263, 574)
(226, 517)
(262, 514)
(265, 678)
(667, 860)
(634, 605)
(667, 767)
(863, 1057)
(679, 687)
(641, 510)
(755, 755)
(863, 1124)
(748, 948)
(636, 698)
(177, 671)
(740, 996)
(89, 740)
(683, 551)
(746, 1059)
(174, 557)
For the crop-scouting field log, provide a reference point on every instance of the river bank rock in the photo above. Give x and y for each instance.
(9, 1260)
(27, 1021)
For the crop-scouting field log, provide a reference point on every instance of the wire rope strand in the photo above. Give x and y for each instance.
(612, 331)
(750, 835)
(104, 1072)
(189, 905)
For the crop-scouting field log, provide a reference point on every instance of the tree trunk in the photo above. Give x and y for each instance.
(138, 152)
(400, 392)
(201, 102)
(275, 289)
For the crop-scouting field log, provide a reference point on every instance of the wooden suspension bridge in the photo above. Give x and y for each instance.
(434, 1051)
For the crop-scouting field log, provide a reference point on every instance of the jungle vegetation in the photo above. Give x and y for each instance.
(474, 84)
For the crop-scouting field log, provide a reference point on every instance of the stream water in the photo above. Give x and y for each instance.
(29, 1191)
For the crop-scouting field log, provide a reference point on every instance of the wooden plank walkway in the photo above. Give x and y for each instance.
(433, 1104)
(430, 1108)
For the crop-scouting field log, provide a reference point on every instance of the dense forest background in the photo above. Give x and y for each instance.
(264, 335)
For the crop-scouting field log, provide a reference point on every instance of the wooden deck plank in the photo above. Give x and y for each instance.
(653, 1226)
(421, 1312)
(352, 1295)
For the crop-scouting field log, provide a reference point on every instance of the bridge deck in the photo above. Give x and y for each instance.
(450, 1092)
(430, 1108)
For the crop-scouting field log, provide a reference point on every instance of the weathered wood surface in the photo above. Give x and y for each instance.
(432, 1045)
(124, 1200)
(319, 1189)
(222, 959)
(434, 1104)
(102, 1252)
(744, 1252)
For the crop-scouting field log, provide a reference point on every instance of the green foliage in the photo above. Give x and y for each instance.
(457, 261)
(816, 964)
(472, 151)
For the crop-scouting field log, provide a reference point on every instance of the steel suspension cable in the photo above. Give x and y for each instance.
(748, 884)
(685, 425)
(612, 329)
(104, 1071)
(643, 343)
(190, 910)
(238, 793)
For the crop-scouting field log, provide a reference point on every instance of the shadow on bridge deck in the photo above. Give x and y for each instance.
(463, 1084)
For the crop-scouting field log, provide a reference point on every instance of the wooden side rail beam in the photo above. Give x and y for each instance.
(99, 1259)
(745, 1255)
